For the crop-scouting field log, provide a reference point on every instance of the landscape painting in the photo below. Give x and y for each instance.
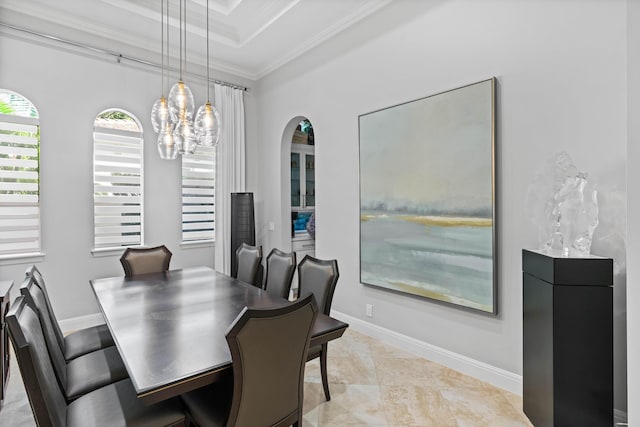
(427, 197)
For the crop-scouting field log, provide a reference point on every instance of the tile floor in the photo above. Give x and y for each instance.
(372, 384)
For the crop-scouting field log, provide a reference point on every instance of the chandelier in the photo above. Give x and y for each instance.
(172, 118)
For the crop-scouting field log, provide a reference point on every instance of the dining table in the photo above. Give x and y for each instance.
(170, 327)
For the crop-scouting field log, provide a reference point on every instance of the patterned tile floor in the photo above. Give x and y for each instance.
(372, 384)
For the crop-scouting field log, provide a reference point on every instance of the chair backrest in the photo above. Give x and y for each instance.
(269, 349)
(145, 260)
(45, 396)
(280, 269)
(39, 281)
(249, 260)
(35, 298)
(318, 277)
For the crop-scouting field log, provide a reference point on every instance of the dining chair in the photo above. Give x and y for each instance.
(249, 262)
(319, 277)
(268, 351)
(137, 261)
(76, 343)
(84, 373)
(280, 269)
(110, 406)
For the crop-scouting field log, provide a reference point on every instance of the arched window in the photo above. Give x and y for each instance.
(19, 176)
(117, 180)
(198, 195)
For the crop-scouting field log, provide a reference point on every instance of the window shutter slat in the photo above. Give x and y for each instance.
(194, 191)
(198, 226)
(6, 163)
(10, 247)
(118, 210)
(19, 199)
(18, 151)
(198, 208)
(116, 180)
(32, 187)
(18, 139)
(14, 126)
(190, 236)
(18, 175)
(197, 217)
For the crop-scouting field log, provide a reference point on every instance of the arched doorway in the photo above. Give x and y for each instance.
(303, 189)
(298, 187)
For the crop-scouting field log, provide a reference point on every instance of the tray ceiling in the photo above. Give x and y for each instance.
(248, 38)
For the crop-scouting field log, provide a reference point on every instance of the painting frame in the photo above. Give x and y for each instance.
(427, 225)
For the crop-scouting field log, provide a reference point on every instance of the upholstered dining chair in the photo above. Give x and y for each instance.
(84, 373)
(249, 262)
(145, 260)
(280, 269)
(268, 351)
(77, 343)
(319, 277)
(110, 406)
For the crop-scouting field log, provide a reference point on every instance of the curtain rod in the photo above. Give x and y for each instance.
(118, 56)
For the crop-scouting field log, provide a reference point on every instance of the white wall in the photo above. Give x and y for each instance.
(561, 70)
(633, 211)
(69, 90)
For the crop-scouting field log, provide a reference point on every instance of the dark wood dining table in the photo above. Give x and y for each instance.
(170, 327)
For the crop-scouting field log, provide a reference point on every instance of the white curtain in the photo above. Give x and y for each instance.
(230, 168)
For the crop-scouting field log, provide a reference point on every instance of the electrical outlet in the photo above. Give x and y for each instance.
(368, 310)
(271, 226)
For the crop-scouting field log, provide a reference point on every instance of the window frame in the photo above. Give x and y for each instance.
(209, 237)
(23, 121)
(118, 247)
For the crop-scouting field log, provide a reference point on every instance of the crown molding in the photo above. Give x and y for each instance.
(331, 31)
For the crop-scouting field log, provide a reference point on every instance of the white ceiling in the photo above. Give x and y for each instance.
(248, 38)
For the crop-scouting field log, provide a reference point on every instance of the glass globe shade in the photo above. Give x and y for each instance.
(181, 103)
(159, 114)
(185, 136)
(167, 148)
(207, 125)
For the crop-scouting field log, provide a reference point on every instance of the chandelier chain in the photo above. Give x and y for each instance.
(180, 40)
(162, 45)
(166, 83)
(185, 35)
(208, 64)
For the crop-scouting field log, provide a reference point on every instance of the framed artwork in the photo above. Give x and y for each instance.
(427, 208)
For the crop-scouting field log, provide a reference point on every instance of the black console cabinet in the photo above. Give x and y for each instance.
(567, 340)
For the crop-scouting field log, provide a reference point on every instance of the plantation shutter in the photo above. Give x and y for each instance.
(198, 195)
(117, 184)
(19, 185)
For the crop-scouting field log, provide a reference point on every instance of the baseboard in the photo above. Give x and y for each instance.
(81, 322)
(498, 377)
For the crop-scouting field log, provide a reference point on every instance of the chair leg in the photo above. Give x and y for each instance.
(323, 371)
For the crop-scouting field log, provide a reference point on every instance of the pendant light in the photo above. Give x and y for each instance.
(181, 103)
(160, 110)
(207, 122)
